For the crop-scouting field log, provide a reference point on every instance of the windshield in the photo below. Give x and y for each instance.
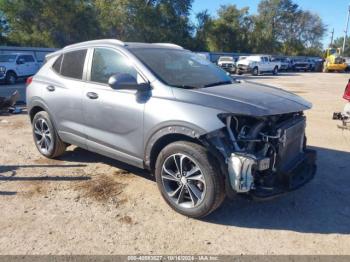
(7, 58)
(181, 68)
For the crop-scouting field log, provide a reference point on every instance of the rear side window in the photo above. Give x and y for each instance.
(57, 65)
(28, 58)
(73, 64)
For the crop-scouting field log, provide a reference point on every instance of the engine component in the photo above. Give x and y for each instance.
(241, 167)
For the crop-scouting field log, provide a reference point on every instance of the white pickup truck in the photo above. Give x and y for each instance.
(258, 64)
(17, 65)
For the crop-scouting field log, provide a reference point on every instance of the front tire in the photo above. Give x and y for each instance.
(188, 179)
(45, 136)
(255, 71)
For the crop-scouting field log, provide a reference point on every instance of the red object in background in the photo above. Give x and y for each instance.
(29, 80)
(347, 92)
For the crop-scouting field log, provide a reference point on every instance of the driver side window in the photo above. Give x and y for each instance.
(106, 62)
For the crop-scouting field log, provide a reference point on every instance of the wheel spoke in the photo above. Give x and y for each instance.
(172, 194)
(194, 190)
(181, 195)
(193, 171)
(191, 196)
(182, 157)
(171, 173)
(47, 143)
(177, 164)
(41, 122)
(197, 178)
(171, 178)
(37, 131)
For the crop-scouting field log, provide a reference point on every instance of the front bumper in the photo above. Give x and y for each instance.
(244, 69)
(302, 172)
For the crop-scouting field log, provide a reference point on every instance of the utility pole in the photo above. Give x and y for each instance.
(346, 29)
(332, 38)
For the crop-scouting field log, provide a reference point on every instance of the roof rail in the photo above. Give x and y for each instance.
(169, 45)
(99, 41)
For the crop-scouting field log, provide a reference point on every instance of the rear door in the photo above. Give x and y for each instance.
(31, 65)
(114, 118)
(63, 95)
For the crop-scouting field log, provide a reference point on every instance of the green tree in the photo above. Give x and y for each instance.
(50, 23)
(146, 21)
(4, 29)
(230, 31)
(283, 27)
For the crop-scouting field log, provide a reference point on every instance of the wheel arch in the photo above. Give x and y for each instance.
(167, 135)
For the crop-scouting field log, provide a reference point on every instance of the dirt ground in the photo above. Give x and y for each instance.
(88, 204)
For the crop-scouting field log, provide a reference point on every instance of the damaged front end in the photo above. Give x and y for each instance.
(264, 156)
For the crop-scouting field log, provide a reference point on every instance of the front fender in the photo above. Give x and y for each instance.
(168, 128)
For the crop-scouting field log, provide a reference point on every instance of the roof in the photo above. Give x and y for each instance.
(130, 45)
(17, 53)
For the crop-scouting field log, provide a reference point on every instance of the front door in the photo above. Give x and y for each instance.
(114, 118)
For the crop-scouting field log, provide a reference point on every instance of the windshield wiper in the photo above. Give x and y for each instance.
(219, 83)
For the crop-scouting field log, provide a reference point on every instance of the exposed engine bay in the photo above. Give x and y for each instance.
(266, 155)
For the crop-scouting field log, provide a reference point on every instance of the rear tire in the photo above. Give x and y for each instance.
(45, 136)
(11, 78)
(193, 194)
(255, 71)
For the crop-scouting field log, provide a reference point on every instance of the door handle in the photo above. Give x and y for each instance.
(92, 95)
(50, 88)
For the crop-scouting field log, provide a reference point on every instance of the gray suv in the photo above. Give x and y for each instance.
(160, 107)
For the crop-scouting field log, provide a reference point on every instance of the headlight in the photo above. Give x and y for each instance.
(2, 69)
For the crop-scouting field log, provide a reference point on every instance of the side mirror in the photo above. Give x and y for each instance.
(126, 81)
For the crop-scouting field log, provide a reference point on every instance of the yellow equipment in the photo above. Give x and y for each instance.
(333, 60)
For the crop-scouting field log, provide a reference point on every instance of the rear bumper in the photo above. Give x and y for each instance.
(302, 172)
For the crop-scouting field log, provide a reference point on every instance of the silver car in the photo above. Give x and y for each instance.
(160, 107)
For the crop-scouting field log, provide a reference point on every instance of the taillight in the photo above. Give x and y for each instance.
(347, 92)
(29, 80)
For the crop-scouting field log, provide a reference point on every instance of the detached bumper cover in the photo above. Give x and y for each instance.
(302, 172)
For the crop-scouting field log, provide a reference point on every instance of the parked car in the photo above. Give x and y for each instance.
(14, 66)
(303, 64)
(345, 115)
(163, 108)
(227, 63)
(258, 64)
(285, 62)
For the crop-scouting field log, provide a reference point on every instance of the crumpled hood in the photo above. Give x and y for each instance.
(244, 98)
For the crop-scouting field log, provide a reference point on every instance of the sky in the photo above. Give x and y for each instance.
(332, 12)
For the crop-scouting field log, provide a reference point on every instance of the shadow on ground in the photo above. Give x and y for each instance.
(84, 156)
(322, 206)
(8, 174)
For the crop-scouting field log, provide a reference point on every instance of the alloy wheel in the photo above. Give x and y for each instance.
(183, 181)
(43, 137)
